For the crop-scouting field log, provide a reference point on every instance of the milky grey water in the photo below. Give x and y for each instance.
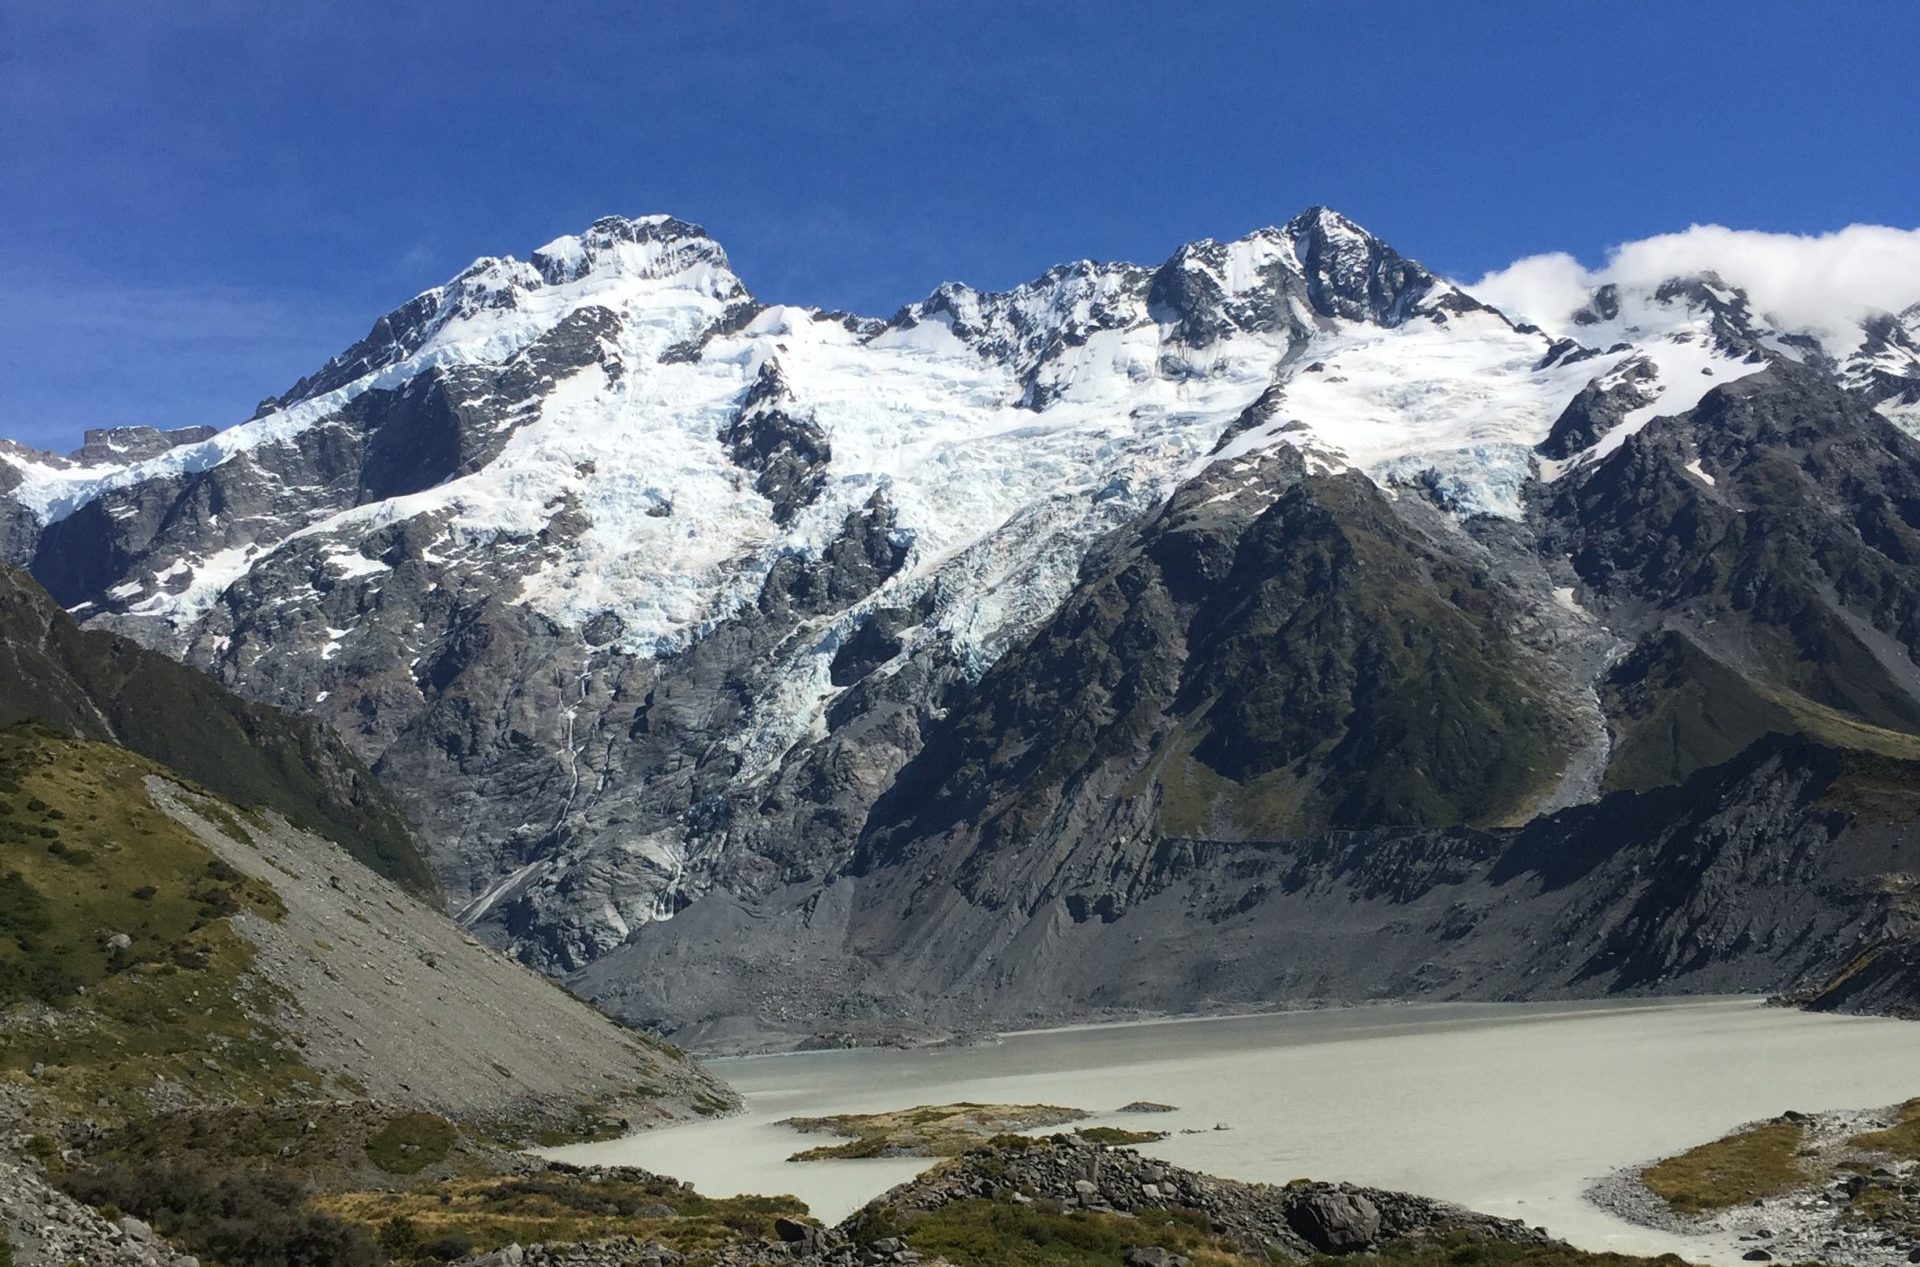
(1508, 1108)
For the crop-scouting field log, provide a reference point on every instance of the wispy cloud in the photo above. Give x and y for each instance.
(1820, 284)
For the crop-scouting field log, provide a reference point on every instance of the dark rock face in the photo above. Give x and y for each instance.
(1886, 368)
(133, 444)
(1761, 874)
(1731, 322)
(1794, 568)
(1600, 407)
(1242, 668)
(19, 528)
(785, 448)
(1059, 1178)
(1884, 979)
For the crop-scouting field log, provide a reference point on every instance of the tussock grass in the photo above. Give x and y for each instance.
(1459, 1251)
(1762, 1161)
(119, 962)
(927, 1130)
(981, 1233)
(1901, 1140)
(1118, 1135)
(487, 1213)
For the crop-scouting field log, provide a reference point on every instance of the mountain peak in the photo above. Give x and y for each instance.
(1324, 222)
(646, 246)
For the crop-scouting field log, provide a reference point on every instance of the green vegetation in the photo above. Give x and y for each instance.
(1459, 1251)
(1901, 1140)
(120, 920)
(981, 1233)
(411, 1142)
(1116, 1135)
(330, 1144)
(263, 1218)
(1762, 1161)
(1362, 678)
(1675, 709)
(928, 1130)
(705, 1103)
(591, 1120)
(486, 1213)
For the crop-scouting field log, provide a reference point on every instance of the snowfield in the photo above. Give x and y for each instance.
(1006, 430)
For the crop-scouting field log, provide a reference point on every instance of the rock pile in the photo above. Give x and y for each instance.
(1065, 1173)
(47, 1228)
(1295, 1221)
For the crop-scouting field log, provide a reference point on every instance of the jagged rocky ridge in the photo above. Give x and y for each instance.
(692, 631)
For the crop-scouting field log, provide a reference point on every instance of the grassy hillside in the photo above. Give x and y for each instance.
(97, 686)
(120, 971)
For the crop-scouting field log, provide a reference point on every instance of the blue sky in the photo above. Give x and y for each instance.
(200, 200)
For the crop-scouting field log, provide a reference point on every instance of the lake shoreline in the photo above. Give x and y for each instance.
(911, 1040)
(1514, 1110)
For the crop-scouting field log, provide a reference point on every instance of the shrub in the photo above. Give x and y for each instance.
(260, 1218)
(444, 1249)
(399, 1237)
(411, 1142)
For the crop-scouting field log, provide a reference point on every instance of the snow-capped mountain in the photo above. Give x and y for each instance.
(647, 598)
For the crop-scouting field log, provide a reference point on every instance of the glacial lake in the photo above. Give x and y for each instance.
(1512, 1109)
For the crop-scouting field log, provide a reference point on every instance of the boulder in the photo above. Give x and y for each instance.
(1152, 1256)
(1334, 1222)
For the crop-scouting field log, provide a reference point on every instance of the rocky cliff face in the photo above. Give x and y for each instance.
(692, 631)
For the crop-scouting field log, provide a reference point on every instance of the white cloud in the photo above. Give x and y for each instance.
(1821, 285)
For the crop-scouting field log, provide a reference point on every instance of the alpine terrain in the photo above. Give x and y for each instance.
(1280, 622)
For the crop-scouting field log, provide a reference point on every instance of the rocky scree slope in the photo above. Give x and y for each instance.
(692, 631)
(165, 952)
